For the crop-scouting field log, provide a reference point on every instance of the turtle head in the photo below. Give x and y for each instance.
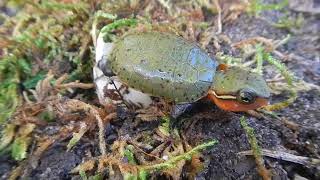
(237, 89)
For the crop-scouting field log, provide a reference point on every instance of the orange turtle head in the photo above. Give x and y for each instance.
(237, 89)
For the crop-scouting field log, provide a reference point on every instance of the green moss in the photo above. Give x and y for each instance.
(251, 137)
(227, 59)
(11, 71)
(164, 128)
(7, 136)
(256, 150)
(288, 22)
(259, 58)
(128, 153)
(116, 25)
(83, 175)
(185, 156)
(280, 67)
(289, 77)
(31, 82)
(41, 35)
(257, 6)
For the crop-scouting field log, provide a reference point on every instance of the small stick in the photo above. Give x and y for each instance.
(102, 142)
(76, 85)
(306, 161)
(216, 3)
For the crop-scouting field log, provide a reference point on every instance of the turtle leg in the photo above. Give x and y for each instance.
(178, 109)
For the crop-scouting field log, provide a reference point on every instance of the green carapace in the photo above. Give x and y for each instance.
(163, 65)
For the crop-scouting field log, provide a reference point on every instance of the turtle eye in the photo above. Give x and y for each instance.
(246, 96)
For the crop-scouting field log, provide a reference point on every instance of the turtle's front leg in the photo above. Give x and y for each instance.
(178, 109)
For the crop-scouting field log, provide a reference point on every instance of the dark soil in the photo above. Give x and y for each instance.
(56, 164)
(205, 122)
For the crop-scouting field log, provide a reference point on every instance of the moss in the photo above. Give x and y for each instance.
(38, 35)
(255, 148)
(290, 23)
(257, 6)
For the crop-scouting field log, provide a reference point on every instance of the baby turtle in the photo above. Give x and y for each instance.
(152, 64)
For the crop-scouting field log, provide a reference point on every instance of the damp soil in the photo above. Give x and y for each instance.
(205, 121)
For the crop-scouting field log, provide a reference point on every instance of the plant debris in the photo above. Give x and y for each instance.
(48, 105)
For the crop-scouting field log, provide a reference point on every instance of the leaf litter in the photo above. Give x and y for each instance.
(57, 38)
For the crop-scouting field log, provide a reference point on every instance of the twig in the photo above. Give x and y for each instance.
(306, 161)
(16, 172)
(76, 85)
(216, 3)
(77, 136)
(166, 4)
(255, 40)
(102, 142)
(135, 145)
(248, 63)
(281, 42)
(26, 98)
(283, 104)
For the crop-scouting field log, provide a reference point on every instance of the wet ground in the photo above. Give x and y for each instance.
(205, 121)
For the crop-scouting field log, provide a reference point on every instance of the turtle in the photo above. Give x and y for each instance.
(139, 66)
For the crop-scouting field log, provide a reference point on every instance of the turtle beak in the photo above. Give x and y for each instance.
(235, 106)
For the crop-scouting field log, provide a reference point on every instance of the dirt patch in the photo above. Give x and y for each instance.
(56, 163)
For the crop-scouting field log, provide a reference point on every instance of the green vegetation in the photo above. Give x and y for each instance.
(7, 136)
(172, 162)
(118, 24)
(259, 58)
(289, 23)
(186, 156)
(289, 77)
(39, 40)
(20, 141)
(257, 6)
(128, 153)
(12, 69)
(251, 136)
(256, 150)
(164, 128)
